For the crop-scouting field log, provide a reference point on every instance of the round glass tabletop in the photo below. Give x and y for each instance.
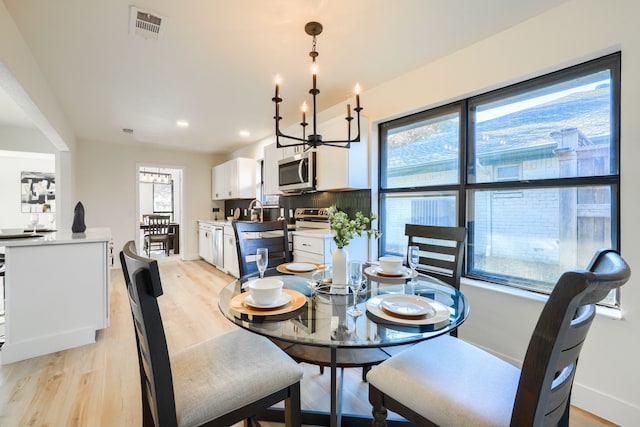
(323, 318)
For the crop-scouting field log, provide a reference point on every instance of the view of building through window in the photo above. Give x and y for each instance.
(538, 192)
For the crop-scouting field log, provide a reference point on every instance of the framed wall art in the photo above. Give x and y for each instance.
(38, 192)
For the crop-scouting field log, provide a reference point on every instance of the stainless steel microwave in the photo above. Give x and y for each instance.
(297, 173)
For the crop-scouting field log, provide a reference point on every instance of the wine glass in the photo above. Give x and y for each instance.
(33, 221)
(413, 257)
(355, 282)
(52, 219)
(262, 259)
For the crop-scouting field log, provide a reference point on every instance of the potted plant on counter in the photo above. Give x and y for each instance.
(345, 229)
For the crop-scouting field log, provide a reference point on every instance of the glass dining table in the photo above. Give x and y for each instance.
(314, 325)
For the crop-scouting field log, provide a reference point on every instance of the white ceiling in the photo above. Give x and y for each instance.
(215, 62)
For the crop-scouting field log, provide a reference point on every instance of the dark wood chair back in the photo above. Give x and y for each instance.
(157, 232)
(441, 250)
(544, 390)
(158, 225)
(250, 236)
(142, 278)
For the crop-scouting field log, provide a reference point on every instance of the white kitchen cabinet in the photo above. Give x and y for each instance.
(205, 241)
(235, 179)
(340, 168)
(219, 184)
(230, 253)
(316, 247)
(271, 156)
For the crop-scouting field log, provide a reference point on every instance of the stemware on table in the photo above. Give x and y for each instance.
(262, 259)
(413, 258)
(355, 283)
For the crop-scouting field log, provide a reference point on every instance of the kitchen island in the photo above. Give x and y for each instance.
(56, 292)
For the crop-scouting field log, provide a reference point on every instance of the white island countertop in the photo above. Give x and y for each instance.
(60, 237)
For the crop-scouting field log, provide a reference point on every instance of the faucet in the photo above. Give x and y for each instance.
(252, 204)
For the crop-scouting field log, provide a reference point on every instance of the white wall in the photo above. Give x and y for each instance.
(107, 180)
(608, 377)
(21, 79)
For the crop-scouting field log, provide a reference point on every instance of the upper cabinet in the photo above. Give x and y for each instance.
(271, 156)
(336, 168)
(235, 179)
(339, 168)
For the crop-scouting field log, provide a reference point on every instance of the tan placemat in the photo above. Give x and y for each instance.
(282, 268)
(238, 305)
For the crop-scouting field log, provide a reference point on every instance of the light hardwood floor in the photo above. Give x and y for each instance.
(98, 384)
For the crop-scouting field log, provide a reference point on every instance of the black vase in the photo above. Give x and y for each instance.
(78, 225)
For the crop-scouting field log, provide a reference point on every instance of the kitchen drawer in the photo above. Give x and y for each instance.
(308, 244)
(312, 249)
(301, 256)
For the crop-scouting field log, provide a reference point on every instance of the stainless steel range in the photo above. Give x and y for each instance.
(312, 218)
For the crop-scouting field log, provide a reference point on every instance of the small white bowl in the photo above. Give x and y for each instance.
(390, 264)
(265, 291)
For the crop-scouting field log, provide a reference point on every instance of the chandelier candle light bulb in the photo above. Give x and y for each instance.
(314, 72)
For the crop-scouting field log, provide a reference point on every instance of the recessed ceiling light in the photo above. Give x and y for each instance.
(182, 124)
(245, 133)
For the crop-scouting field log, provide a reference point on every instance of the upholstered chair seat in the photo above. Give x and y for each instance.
(478, 389)
(238, 367)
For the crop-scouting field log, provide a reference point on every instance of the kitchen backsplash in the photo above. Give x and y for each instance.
(349, 201)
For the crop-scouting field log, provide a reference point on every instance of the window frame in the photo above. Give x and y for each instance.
(466, 158)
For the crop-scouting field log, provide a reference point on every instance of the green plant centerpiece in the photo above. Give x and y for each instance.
(345, 229)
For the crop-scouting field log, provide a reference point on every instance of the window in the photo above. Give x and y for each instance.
(532, 171)
(156, 192)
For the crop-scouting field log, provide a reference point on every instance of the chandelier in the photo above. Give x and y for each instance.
(314, 139)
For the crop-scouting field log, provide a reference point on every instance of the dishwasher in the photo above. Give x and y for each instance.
(217, 243)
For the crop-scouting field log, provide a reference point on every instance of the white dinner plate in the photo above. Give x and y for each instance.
(284, 299)
(376, 271)
(406, 306)
(300, 267)
(439, 317)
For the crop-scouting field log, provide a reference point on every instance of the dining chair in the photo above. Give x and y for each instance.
(448, 382)
(441, 250)
(219, 382)
(250, 236)
(157, 233)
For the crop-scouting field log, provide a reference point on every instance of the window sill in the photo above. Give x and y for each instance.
(608, 312)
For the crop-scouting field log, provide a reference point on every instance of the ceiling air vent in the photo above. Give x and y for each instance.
(145, 24)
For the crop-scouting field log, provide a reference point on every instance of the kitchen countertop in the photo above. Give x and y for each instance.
(61, 237)
(220, 222)
(310, 232)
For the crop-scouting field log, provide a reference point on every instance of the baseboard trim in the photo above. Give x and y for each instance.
(14, 352)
